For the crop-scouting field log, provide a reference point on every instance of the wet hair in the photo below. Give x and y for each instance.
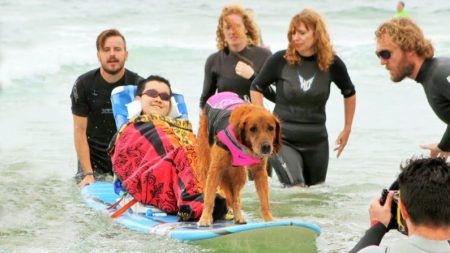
(425, 191)
(142, 83)
(101, 38)
(252, 34)
(322, 43)
(407, 35)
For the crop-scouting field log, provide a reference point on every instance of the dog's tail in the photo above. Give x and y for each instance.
(203, 151)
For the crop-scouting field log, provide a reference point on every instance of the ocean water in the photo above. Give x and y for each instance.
(45, 45)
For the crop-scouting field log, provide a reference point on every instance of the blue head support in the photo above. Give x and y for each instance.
(122, 96)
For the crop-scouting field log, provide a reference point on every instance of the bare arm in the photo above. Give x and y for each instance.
(257, 98)
(349, 108)
(82, 148)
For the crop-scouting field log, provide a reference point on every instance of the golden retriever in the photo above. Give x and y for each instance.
(259, 132)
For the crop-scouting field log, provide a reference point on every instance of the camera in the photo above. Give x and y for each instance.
(394, 206)
(396, 221)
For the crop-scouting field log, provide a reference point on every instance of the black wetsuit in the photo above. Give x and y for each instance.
(434, 75)
(302, 91)
(220, 73)
(411, 244)
(373, 236)
(91, 98)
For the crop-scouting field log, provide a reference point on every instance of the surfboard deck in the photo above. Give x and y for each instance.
(223, 236)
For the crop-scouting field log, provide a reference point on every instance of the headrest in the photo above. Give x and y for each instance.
(125, 106)
(134, 109)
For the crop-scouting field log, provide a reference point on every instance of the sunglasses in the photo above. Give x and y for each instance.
(154, 93)
(383, 54)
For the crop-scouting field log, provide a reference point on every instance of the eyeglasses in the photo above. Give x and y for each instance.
(383, 54)
(154, 93)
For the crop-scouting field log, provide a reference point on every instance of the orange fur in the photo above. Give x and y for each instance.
(259, 131)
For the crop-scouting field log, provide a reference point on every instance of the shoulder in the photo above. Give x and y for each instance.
(374, 249)
(215, 55)
(260, 50)
(278, 57)
(441, 69)
(129, 72)
(442, 64)
(337, 61)
(88, 76)
(337, 65)
(279, 54)
(132, 77)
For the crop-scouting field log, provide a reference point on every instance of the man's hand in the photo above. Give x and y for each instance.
(435, 151)
(88, 179)
(381, 213)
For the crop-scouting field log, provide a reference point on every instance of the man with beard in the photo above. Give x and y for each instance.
(94, 124)
(403, 49)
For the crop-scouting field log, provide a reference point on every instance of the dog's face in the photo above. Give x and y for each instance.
(257, 129)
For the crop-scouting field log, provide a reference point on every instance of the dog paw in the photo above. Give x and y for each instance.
(239, 220)
(185, 213)
(267, 217)
(205, 221)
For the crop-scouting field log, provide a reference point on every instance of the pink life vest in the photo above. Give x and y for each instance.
(240, 154)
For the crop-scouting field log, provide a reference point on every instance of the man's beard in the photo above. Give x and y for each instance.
(405, 71)
(113, 72)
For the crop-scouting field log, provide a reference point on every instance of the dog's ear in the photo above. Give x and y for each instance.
(239, 131)
(277, 141)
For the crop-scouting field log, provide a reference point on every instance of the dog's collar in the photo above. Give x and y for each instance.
(240, 155)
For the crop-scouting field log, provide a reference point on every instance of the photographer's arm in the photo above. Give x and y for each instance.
(380, 216)
(373, 236)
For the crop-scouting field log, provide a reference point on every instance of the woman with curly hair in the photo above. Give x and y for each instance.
(302, 75)
(239, 58)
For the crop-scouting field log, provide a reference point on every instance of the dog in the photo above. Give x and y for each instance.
(246, 140)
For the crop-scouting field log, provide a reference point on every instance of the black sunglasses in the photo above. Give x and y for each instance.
(154, 93)
(383, 54)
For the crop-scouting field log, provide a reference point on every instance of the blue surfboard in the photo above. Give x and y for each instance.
(223, 236)
(282, 236)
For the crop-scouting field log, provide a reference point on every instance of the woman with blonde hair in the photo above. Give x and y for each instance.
(239, 58)
(302, 75)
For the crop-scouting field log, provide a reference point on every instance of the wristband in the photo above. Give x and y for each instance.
(88, 174)
(373, 223)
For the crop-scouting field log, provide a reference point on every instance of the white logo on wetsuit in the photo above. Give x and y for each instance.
(448, 79)
(305, 85)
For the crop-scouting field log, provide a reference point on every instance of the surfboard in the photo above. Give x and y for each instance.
(223, 236)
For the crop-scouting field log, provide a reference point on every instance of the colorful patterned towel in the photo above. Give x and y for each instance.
(154, 157)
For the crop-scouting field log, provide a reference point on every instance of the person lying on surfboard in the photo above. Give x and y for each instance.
(154, 157)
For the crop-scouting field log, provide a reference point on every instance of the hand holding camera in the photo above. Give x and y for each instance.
(389, 201)
(381, 213)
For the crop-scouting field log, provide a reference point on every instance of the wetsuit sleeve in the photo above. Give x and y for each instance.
(269, 73)
(373, 236)
(79, 101)
(340, 77)
(269, 92)
(443, 106)
(209, 82)
(444, 145)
